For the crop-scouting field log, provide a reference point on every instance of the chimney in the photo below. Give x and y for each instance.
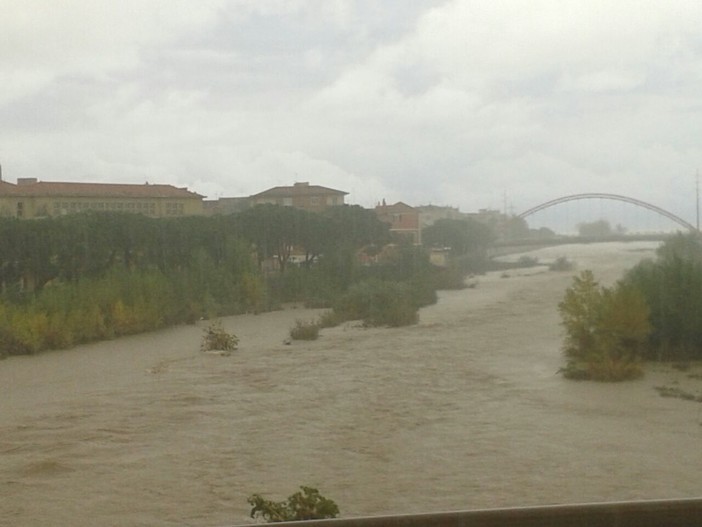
(302, 184)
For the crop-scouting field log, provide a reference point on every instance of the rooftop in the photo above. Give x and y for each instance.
(30, 187)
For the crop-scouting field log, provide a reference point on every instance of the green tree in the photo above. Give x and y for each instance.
(307, 504)
(672, 287)
(461, 236)
(580, 315)
(354, 226)
(595, 229)
(275, 231)
(606, 329)
(515, 228)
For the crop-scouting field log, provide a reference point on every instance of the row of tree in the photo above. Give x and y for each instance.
(77, 246)
(97, 275)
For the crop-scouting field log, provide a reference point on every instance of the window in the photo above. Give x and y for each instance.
(174, 209)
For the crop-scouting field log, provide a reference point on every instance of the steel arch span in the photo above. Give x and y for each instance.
(615, 197)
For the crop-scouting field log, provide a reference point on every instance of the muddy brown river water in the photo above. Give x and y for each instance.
(464, 410)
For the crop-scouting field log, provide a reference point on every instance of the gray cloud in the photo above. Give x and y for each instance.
(462, 103)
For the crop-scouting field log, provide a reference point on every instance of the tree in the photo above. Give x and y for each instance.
(275, 230)
(606, 329)
(579, 312)
(672, 287)
(308, 504)
(595, 229)
(461, 236)
(515, 228)
(355, 226)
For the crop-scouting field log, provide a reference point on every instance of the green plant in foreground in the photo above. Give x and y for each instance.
(304, 331)
(214, 338)
(306, 504)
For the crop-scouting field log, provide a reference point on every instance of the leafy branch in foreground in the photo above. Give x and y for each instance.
(307, 504)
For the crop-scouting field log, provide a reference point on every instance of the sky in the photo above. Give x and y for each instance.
(500, 104)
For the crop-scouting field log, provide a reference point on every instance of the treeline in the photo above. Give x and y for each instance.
(93, 275)
(672, 287)
(654, 312)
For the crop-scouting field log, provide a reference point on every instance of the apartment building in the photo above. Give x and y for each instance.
(30, 198)
(302, 195)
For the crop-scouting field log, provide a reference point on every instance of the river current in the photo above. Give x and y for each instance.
(464, 410)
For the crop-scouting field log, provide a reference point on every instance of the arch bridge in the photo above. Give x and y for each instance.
(616, 197)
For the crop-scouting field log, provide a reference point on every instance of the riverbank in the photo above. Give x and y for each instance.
(463, 410)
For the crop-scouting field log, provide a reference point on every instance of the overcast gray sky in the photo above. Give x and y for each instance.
(454, 102)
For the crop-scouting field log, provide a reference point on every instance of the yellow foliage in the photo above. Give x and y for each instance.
(30, 330)
(252, 289)
(606, 329)
(122, 318)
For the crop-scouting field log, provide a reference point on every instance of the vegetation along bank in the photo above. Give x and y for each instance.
(96, 275)
(653, 313)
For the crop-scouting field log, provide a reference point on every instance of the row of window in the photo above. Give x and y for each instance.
(312, 201)
(149, 208)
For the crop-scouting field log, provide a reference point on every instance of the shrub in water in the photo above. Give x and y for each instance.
(329, 319)
(304, 331)
(606, 330)
(561, 264)
(379, 303)
(214, 338)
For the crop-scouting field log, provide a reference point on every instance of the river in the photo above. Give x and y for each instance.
(464, 410)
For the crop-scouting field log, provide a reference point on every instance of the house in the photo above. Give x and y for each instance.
(403, 220)
(301, 195)
(225, 206)
(30, 198)
(429, 214)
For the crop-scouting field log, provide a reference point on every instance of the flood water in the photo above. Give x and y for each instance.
(464, 410)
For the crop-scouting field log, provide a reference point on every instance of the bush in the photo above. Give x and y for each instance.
(329, 319)
(306, 505)
(304, 331)
(450, 278)
(610, 369)
(561, 264)
(672, 286)
(379, 303)
(527, 261)
(214, 338)
(606, 330)
(605, 370)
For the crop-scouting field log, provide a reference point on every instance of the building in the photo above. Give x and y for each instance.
(429, 214)
(30, 198)
(403, 220)
(301, 195)
(225, 206)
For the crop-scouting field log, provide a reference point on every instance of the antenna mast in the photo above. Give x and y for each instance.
(697, 199)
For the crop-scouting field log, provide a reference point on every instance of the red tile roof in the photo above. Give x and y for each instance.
(397, 207)
(90, 190)
(298, 190)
